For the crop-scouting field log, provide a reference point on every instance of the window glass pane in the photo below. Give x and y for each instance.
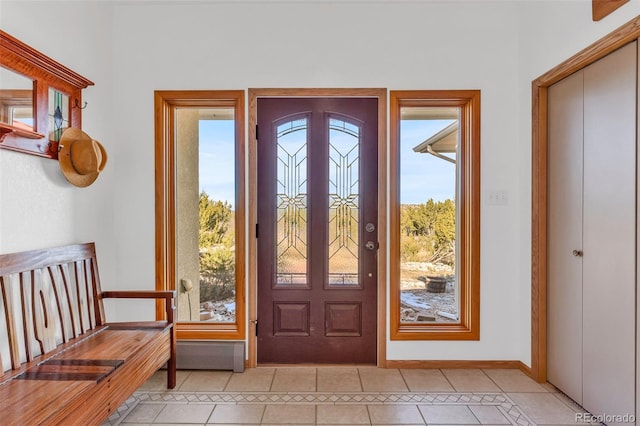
(429, 145)
(58, 113)
(205, 237)
(344, 179)
(291, 203)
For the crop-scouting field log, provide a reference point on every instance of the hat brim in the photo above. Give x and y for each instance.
(68, 138)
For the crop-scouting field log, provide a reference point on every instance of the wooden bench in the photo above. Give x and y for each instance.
(62, 363)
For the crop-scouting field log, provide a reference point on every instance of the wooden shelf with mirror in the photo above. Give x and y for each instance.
(39, 98)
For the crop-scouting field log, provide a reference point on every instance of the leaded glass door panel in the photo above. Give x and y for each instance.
(317, 230)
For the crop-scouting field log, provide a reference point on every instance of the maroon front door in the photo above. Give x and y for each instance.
(317, 230)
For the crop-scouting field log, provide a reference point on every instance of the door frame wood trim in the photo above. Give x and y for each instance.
(253, 95)
(600, 9)
(539, 181)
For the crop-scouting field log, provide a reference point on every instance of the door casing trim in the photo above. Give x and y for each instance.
(381, 94)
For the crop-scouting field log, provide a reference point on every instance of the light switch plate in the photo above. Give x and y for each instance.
(498, 197)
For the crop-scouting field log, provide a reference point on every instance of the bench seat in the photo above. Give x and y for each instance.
(73, 373)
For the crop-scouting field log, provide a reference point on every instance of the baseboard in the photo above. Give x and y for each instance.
(210, 355)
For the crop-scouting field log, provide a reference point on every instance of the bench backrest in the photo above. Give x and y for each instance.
(48, 298)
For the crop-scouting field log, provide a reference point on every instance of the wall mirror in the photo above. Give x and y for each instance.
(39, 98)
(16, 100)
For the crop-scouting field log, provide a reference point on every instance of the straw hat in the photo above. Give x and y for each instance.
(81, 158)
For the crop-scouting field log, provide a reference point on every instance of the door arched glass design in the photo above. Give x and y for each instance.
(344, 199)
(291, 216)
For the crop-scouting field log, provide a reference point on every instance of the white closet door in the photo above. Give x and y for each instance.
(609, 260)
(564, 288)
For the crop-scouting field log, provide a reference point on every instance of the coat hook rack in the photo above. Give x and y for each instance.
(77, 104)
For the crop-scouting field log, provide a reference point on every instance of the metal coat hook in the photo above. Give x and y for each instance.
(77, 104)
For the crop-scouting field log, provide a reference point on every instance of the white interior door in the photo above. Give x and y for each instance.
(564, 292)
(591, 322)
(609, 260)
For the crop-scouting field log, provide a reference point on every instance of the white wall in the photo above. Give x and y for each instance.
(283, 44)
(131, 49)
(38, 207)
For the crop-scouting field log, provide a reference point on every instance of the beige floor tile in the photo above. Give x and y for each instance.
(205, 381)
(544, 408)
(538, 401)
(237, 414)
(448, 414)
(289, 414)
(177, 424)
(382, 380)
(251, 380)
(294, 379)
(186, 413)
(342, 415)
(470, 380)
(426, 380)
(158, 382)
(574, 406)
(395, 415)
(513, 380)
(144, 413)
(488, 414)
(339, 379)
(549, 387)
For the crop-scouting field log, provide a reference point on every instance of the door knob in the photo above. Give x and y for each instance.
(371, 245)
(577, 253)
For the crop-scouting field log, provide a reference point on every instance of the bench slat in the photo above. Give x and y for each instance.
(12, 331)
(72, 316)
(43, 312)
(67, 376)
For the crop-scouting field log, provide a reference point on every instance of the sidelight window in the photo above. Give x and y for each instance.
(434, 222)
(200, 221)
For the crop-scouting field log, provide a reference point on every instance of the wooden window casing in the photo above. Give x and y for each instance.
(468, 258)
(166, 103)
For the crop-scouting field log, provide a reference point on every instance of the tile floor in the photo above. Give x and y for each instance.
(347, 396)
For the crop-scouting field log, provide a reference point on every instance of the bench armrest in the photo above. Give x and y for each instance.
(167, 295)
(140, 294)
(170, 308)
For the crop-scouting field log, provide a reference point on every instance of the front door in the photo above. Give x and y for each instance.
(317, 230)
